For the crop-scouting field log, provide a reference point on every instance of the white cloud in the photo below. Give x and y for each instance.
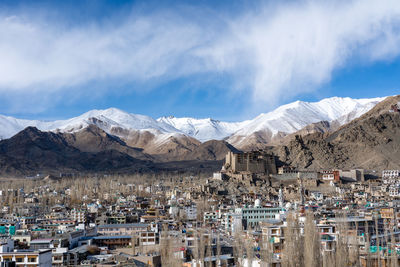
(276, 51)
(48, 57)
(295, 48)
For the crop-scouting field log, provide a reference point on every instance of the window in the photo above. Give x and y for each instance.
(32, 260)
(19, 259)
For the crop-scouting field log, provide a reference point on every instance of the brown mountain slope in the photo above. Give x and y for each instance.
(172, 146)
(260, 140)
(254, 141)
(319, 127)
(32, 151)
(177, 147)
(93, 139)
(370, 142)
(168, 147)
(210, 150)
(91, 150)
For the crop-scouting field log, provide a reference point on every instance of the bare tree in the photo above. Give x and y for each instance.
(342, 244)
(266, 251)
(292, 255)
(312, 243)
(218, 252)
(168, 249)
(238, 246)
(249, 249)
(394, 262)
(377, 239)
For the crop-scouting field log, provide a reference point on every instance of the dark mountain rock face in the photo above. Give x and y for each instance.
(32, 151)
(92, 150)
(210, 150)
(94, 140)
(370, 142)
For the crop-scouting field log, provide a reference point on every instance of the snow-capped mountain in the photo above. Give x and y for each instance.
(283, 120)
(203, 129)
(107, 120)
(293, 117)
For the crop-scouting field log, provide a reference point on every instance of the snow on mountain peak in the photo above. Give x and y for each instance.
(202, 129)
(294, 116)
(287, 118)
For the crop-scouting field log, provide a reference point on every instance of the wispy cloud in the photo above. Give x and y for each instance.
(277, 51)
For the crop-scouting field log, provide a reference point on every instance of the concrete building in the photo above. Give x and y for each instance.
(122, 229)
(233, 222)
(41, 244)
(190, 212)
(6, 245)
(78, 216)
(42, 258)
(295, 175)
(115, 241)
(210, 217)
(116, 219)
(148, 238)
(391, 177)
(329, 175)
(394, 190)
(352, 175)
(287, 169)
(22, 238)
(252, 216)
(60, 257)
(390, 173)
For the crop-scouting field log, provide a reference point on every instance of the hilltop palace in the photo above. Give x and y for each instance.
(247, 167)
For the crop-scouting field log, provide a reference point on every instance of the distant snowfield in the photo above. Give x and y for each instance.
(287, 119)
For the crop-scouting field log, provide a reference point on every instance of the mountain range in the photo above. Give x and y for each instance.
(265, 128)
(370, 142)
(129, 142)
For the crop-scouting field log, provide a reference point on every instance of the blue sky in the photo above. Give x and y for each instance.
(229, 60)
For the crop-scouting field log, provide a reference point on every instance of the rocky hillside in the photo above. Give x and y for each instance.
(370, 142)
(94, 140)
(92, 150)
(32, 151)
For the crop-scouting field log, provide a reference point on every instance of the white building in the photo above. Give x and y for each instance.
(42, 258)
(6, 245)
(210, 217)
(394, 190)
(190, 212)
(233, 222)
(78, 216)
(252, 216)
(316, 195)
(390, 173)
(391, 177)
(148, 238)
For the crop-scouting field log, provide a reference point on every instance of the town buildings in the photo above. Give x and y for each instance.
(151, 220)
